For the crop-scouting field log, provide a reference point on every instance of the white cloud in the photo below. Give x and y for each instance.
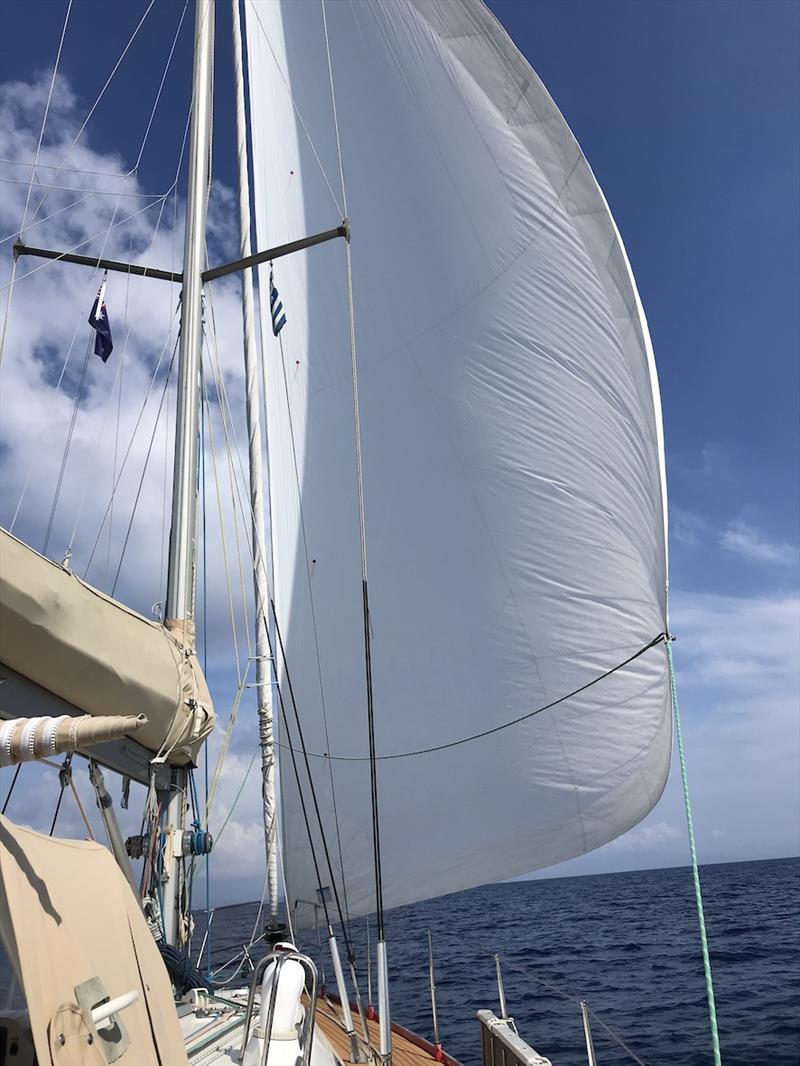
(685, 526)
(715, 464)
(49, 307)
(748, 542)
(645, 836)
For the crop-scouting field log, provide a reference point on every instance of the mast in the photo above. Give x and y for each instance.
(263, 668)
(183, 536)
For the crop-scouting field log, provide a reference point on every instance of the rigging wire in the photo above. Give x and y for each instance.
(56, 391)
(88, 240)
(223, 404)
(120, 374)
(301, 513)
(89, 192)
(75, 407)
(572, 998)
(97, 101)
(126, 456)
(46, 218)
(209, 425)
(661, 638)
(80, 321)
(79, 394)
(224, 407)
(296, 109)
(112, 390)
(373, 765)
(7, 311)
(62, 169)
(144, 471)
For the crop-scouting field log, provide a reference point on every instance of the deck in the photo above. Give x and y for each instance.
(408, 1049)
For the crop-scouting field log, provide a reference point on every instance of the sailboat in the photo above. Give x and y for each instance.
(458, 549)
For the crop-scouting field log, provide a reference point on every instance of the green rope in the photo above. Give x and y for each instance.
(698, 896)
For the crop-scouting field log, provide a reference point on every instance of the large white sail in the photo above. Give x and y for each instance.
(513, 457)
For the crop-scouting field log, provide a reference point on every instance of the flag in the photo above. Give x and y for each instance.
(276, 307)
(98, 320)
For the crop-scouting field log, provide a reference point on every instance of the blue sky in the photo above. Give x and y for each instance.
(689, 115)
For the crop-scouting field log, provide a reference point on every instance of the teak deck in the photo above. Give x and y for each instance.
(405, 1050)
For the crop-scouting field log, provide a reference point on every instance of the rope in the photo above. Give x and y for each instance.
(81, 810)
(498, 728)
(239, 791)
(226, 739)
(11, 788)
(698, 896)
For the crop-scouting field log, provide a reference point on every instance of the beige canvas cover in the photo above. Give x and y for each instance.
(99, 655)
(67, 915)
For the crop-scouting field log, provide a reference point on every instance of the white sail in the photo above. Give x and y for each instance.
(513, 457)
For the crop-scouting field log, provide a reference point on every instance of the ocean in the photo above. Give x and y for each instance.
(627, 943)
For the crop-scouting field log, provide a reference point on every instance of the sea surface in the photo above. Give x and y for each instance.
(627, 943)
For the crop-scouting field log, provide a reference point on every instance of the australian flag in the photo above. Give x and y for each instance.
(276, 307)
(98, 320)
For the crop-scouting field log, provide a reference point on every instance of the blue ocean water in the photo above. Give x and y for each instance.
(627, 943)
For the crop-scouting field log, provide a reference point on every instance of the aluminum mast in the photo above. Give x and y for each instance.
(183, 536)
(263, 667)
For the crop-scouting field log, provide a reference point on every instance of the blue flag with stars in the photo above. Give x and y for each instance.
(98, 320)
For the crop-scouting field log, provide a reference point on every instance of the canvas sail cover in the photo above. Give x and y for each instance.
(513, 457)
(67, 915)
(99, 655)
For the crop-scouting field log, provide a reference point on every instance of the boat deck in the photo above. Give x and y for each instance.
(407, 1048)
(214, 1038)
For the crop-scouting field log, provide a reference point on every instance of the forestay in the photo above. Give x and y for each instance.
(513, 458)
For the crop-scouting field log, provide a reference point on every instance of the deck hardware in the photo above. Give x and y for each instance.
(437, 1044)
(306, 1035)
(587, 1032)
